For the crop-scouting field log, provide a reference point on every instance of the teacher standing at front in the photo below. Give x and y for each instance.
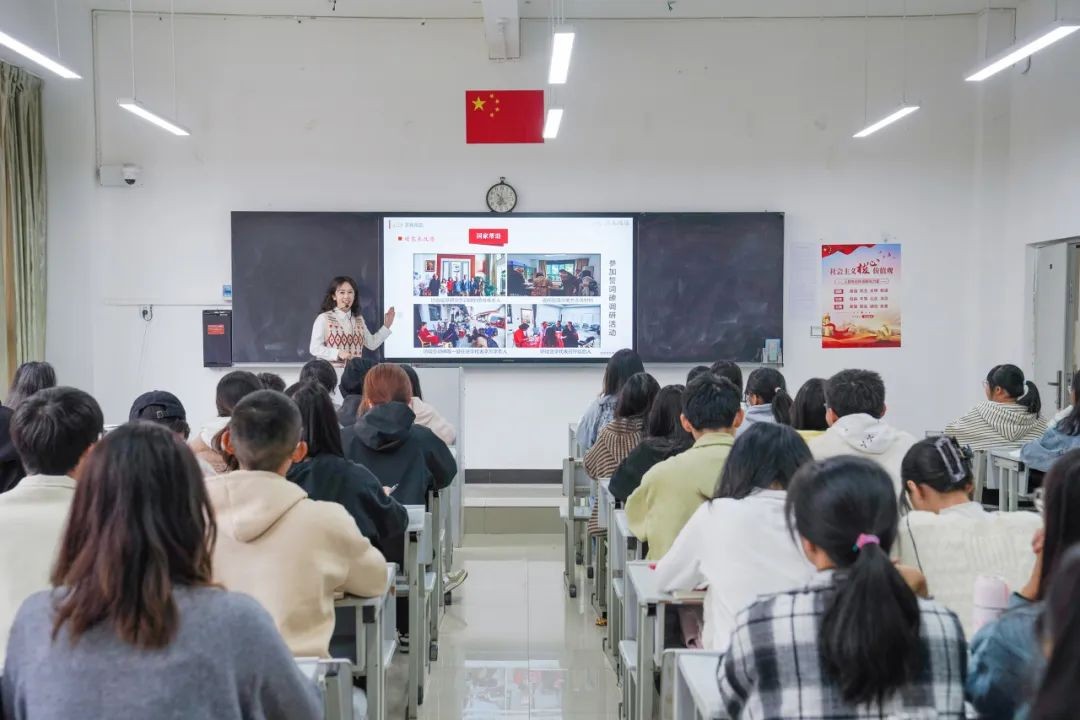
(339, 332)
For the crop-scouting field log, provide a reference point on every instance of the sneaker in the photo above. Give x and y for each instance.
(453, 581)
(403, 643)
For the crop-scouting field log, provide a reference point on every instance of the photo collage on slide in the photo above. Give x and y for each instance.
(492, 301)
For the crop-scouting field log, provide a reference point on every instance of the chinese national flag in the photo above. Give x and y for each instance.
(504, 116)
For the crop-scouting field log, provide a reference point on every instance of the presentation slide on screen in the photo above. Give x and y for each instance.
(497, 287)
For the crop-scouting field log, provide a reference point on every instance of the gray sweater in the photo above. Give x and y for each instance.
(226, 662)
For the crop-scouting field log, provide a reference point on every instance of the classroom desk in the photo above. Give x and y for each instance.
(696, 695)
(599, 569)
(334, 681)
(572, 445)
(650, 605)
(376, 640)
(416, 584)
(622, 547)
(575, 516)
(1010, 475)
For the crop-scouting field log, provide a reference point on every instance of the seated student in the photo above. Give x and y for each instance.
(231, 389)
(325, 474)
(136, 627)
(271, 381)
(426, 337)
(1004, 653)
(427, 415)
(30, 377)
(856, 404)
(620, 436)
(855, 642)
(674, 489)
(738, 543)
(664, 437)
(571, 338)
(1008, 418)
(521, 335)
(808, 409)
(1058, 695)
(766, 399)
(728, 369)
(1058, 439)
(601, 410)
(695, 371)
(52, 432)
(407, 457)
(289, 552)
(163, 408)
(11, 469)
(352, 389)
(951, 539)
(322, 372)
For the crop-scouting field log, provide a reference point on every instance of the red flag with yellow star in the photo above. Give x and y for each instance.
(504, 116)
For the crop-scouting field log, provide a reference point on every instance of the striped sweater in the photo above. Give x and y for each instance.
(614, 443)
(996, 425)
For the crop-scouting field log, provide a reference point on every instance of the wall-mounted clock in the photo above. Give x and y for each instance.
(502, 197)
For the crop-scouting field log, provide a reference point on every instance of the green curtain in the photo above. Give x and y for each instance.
(22, 219)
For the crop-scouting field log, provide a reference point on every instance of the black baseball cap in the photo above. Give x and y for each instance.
(167, 406)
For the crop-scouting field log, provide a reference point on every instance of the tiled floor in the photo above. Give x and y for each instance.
(513, 645)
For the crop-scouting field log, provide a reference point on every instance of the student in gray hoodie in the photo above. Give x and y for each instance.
(1008, 418)
(1059, 439)
(767, 399)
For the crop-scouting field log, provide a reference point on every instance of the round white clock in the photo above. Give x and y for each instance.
(501, 197)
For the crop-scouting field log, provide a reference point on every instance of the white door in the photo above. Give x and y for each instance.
(1052, 303)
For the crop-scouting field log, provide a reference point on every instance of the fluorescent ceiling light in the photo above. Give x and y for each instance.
(551, 125)
(1020, 50)
(33, 55)
(562, 45)
(135, 107)
(901, 113)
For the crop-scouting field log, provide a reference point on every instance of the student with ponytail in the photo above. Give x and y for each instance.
(1008, 418)
(767, 399)
(856, 642)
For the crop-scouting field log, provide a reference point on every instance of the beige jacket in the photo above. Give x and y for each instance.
(430, 418)
(33, 515)
(290, 553)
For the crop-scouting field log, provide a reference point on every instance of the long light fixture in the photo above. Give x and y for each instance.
(135, 107)
(885, 121)
(552, 123)
(562, 45)
(132, 104)
(34, 56)
(1028, 46)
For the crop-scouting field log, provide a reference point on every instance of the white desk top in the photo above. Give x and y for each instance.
(643, 578)
(416, 517)
(699, 672)
(622, 523)
(1005, 454)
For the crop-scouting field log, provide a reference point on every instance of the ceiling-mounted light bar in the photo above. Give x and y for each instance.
(552, 123)
(137, 108)
(885, 121)
(1016, 52)
(562, 45)
(34, 56)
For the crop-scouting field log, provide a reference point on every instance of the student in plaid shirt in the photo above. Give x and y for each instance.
(856, 642)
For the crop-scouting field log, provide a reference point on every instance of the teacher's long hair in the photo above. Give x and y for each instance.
(329, 303)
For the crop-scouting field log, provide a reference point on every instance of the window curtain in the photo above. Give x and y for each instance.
(22, 219)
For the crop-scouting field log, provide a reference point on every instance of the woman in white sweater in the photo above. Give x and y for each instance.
(739, 544)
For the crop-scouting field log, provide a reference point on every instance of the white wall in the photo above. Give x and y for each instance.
(366, 115)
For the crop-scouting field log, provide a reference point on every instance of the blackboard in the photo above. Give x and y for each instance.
(710, 286)
(282, 263)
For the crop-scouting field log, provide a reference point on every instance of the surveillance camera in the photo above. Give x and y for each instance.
(131, 174)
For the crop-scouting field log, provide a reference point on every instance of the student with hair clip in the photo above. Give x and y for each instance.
(326, 474)
(808, 409)
(620, 436)
(1058, 696)
(855, 642)
(738, 543)
(1008, 418)
(622, 365)
(938, 478)
(767, 400)
(1058, 439)
(135, 626)
(1005, 653)
(664, 437)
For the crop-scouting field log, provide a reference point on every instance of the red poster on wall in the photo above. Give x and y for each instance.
(860, 301)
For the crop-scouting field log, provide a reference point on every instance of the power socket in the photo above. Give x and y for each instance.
(147, 312)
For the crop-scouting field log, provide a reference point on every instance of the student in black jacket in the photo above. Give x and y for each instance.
(406, 457)
(11, 469)
(325, 474)
(664, 438)
(352, 389)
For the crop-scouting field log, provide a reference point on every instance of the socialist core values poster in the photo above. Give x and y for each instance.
(860, 296)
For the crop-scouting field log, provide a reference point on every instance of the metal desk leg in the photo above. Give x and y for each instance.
(374, 669)
(645, 639)
(416, 625)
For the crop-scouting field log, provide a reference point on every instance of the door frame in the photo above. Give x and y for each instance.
(1072, 267)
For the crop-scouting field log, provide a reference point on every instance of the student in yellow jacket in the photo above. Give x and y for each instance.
(672, 490)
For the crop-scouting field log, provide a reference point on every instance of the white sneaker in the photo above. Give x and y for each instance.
(453, 581)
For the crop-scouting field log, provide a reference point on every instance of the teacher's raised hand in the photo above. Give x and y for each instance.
(388, 319)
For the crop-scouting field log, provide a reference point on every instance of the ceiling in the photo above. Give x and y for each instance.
(574, 8)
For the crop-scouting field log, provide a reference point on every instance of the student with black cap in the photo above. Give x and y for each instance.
(163, 408)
